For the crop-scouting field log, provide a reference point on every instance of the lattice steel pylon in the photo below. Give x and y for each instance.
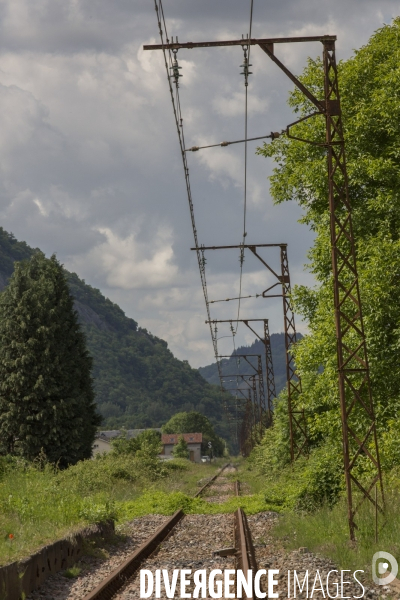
(245, 434)
(269, 374)
(267, 409)
(357, 410)
(262, 396)
(297, 420)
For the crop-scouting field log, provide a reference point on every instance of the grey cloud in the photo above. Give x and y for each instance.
(90, 162)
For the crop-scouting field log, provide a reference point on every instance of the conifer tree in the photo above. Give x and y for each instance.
(46, 389)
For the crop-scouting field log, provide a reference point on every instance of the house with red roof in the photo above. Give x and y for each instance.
(193, 440)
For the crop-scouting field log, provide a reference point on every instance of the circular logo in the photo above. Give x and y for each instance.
(383, 568)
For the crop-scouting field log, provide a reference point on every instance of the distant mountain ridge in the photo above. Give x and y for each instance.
(229, 365)
(138, 381)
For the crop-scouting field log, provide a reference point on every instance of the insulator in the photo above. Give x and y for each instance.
(175, 69)
(245, 66)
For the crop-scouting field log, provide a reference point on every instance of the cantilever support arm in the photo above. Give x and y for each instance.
(269, 50)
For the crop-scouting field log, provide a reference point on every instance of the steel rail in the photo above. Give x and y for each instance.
(117, 578)
(201, 490)
(245, 557)
(237, 487)
(244, 550)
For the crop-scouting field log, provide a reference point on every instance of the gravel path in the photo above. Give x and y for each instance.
(190, 546)
(99, 561)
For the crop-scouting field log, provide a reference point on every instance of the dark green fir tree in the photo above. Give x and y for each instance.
(46, 389)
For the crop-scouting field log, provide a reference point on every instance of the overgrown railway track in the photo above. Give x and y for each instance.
(192, 541)
(221, 541)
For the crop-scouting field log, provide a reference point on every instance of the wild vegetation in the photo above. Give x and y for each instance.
(46, 389)
(137, 380)
(131, 481)
(40, 503)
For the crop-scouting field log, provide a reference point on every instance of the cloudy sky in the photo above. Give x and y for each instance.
(89, 158)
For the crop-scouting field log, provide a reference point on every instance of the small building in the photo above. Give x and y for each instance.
(193, 440)
(102, 443)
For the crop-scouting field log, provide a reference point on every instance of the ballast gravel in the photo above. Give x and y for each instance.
(190, 546)
(100, 562)
(220, 489)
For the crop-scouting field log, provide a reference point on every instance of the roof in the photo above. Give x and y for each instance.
(130, 433)
(102, 439)
(173, 438)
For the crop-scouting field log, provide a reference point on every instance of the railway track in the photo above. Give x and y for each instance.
(187, 541)
(193, 542)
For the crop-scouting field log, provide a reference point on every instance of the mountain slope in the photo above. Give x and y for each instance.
(138, 381)
(229, 365)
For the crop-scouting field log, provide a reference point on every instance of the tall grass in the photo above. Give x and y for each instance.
(39, 503)
(326, 532)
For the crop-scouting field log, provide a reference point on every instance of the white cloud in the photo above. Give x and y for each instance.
(233, 106)
(127, 264)
(89, 161)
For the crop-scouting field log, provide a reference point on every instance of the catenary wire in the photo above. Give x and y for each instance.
(245, 171)
(176, 106)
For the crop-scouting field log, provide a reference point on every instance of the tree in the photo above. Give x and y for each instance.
(46, 389)
(370, 93)
(148, 440)
(181, 449)
(194, 422)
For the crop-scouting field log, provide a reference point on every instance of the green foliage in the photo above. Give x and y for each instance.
(148, 441)
(305, 486)
(138, 382)
(325, 532)
(72, 572)
(181, 449)
(40, 503)
(194, 422)
(370, 92)
(46, 392)
(164, 503)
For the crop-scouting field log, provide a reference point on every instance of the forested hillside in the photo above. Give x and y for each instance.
(210, 372)
(138, 381)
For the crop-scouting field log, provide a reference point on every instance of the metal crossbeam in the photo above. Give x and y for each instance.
(242, 42)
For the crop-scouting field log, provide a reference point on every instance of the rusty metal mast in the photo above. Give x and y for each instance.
(248, 423)
(297, 421)
(356, 405)
(269, 366)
